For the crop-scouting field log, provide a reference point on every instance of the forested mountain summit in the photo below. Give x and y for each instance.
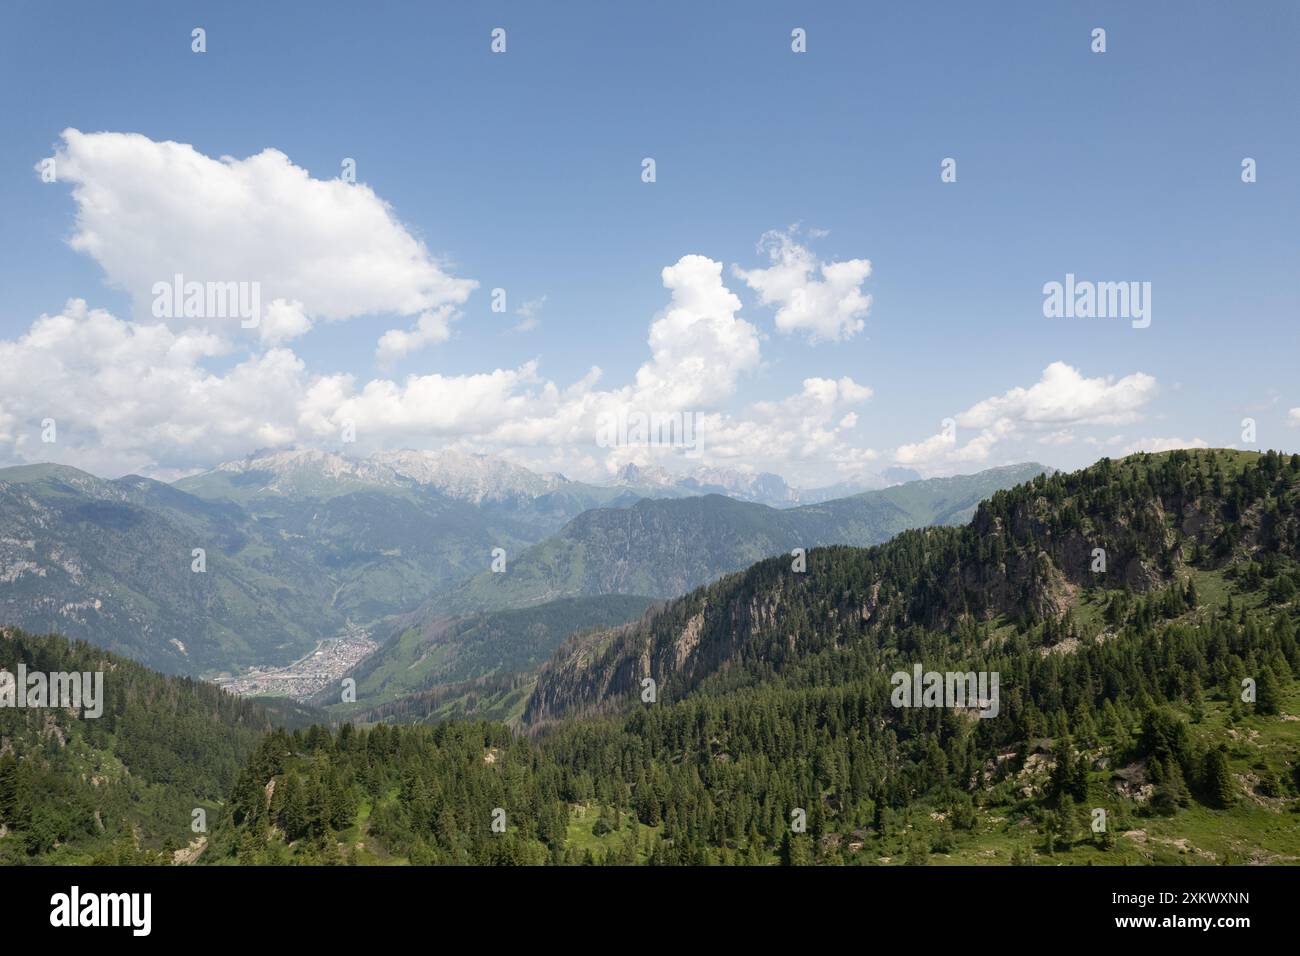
(1028, 558)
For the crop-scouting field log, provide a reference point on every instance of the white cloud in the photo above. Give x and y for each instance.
(136, 397)
(804, 436)
(944, 448)
(699, 346)
(282, 322)
(132, 397)
(928, 451)
(1293, 417)
(830, 308)
(147, 211)
(425, 406)
(1062, 399)
(1063, 436)
(429, 329)
(139, 396)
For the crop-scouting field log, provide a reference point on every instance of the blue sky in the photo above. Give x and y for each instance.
(522, 171)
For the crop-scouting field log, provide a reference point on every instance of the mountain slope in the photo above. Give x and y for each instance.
(663, 548)
(111, 562)
(118, 787)
(457, 650)
(1026, 558)
(1119, 732)
(291, 555)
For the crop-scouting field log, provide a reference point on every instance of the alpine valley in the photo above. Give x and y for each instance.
(654, 677)
(256, 562)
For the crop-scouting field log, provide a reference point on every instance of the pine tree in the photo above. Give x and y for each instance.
(1220, 790)
(1065, 823)
(1268, 693)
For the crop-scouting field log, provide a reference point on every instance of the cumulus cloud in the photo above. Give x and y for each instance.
(141, 396)
(167, 397)
(1293, 417)
(1064, 436)
(1062, 399)
(146, 397)
(699, 345)
(135, 397)
(822, 300)
(427, 405)
(327, 250)
(283, 321)
(944, 448)
(806, 436)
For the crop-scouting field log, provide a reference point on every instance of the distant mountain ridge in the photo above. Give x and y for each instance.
(482, 481)
(486, 479)
(663, 548)
(292, 548)
(295, 544)
(759, 487)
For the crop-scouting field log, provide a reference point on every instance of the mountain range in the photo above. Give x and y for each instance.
(254, 562)
(654, 549)
(663, 548)
(1124, 607)
(758, 487)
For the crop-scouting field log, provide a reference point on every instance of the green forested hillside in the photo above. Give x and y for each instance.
(121, 787)
(464, 649)
(497, 697)
(1183, 774)
(1028, 558)
(1158, 695)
